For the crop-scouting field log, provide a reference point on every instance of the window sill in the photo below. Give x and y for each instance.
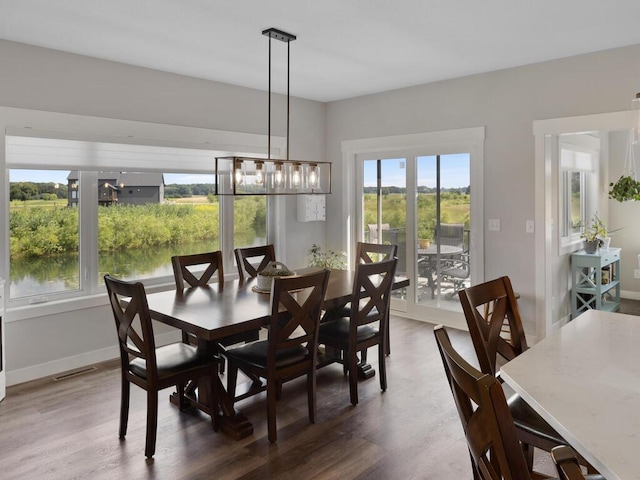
(54, 307)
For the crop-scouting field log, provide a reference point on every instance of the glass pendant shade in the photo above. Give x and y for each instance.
(261, 176)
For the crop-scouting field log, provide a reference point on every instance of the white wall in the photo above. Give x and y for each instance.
(506, 102)
(42, 79)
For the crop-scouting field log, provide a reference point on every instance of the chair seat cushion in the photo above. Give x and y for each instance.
(172, 359)
(339, 330)
(527, 419)
(256, 354)
(335, 313)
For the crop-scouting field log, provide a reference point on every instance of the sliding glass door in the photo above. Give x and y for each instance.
(421, 203)
(384, 207)
(443, 213)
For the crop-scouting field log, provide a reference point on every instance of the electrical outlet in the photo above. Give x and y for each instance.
(636, 273)
(494, 225)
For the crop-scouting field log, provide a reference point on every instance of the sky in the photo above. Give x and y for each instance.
(454, 171)
(60, 176)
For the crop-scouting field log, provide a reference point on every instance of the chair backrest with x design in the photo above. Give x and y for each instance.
(491, 435)
(371, 295)
(295, 316)
(374, 252)
(487, 308)
(182, 273)
(264, 254)
(135, 339)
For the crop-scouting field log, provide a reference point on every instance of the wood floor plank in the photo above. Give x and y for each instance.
(69, 429)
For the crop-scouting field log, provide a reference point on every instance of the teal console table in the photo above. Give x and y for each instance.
(595, 280)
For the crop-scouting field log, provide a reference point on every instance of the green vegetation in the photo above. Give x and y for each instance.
(37, 191)
(326, 259)
(39, 228)
(454, 208)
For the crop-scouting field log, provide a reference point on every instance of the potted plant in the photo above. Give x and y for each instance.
(425, 236)
(596, 235)
(326, 259)
(626, 188)
(592, 233)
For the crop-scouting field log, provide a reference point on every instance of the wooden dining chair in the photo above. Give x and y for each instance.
(366, 326)
(185, 275)
(567, 465)
(290, 349)
(154, 368)
(182, 273)
(366, 253)
(488, 426)
(374, 252)
(260, 255)
(498, 334)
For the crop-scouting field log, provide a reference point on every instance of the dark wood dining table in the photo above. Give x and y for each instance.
(218, 311)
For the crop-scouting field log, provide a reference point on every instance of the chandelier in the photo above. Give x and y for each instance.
(267, 176)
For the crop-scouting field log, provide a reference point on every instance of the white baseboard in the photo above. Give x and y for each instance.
(446, 320)
(630, 295)
(14, 377)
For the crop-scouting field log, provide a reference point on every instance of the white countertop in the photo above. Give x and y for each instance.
(585, 381)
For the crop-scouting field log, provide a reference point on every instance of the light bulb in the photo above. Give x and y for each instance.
(259, 177)
(278, 176)
(239, 175)
(295, 179)
(313, 176)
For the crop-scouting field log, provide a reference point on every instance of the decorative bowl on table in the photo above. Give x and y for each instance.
(265, 277)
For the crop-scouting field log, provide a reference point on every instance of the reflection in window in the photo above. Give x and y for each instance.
(249, 221)
(43, 234)
(144, 218)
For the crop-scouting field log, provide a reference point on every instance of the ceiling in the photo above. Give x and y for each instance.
(345, 48)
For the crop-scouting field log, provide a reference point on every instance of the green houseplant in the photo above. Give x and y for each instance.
(595, 234)
(425, 235)
(326, 259)
(626, 188)
(592, 233)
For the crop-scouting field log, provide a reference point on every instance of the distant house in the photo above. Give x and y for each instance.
(121, 188)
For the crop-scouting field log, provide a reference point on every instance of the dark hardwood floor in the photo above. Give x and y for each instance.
(68, 429)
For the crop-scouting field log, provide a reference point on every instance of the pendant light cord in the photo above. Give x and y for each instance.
(269, 108)
(288, 69)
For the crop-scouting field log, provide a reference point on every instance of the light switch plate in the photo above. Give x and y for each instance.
(529, 226)
(636, 273)
(494, 225)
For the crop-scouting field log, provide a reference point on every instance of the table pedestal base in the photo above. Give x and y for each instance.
(365, 371)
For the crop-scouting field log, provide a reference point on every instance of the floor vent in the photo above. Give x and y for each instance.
(74, 373)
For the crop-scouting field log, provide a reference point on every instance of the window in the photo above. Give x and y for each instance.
(44, 235)
(579, 157)
(574, 195)
(112, 208)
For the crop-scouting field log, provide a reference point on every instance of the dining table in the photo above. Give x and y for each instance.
(584, 380)
(221, 310)
(428, 262)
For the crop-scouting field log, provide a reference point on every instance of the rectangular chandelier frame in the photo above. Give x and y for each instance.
(264, 176)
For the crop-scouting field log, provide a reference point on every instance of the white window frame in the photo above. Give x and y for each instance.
(33, 123)
(588, 165)
(469, 140)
